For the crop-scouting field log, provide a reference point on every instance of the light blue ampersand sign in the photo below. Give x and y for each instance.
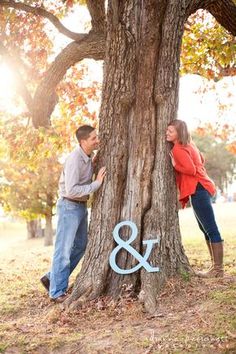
(126, 245)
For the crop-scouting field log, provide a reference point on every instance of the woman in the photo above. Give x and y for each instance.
(194, 184)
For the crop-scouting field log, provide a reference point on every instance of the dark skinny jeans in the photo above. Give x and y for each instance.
(202, 207)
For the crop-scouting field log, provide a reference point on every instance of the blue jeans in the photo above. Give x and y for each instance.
(70, 245)
(204, 213)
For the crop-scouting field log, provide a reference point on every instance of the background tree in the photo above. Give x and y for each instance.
(140, 43)
(30, 173)
(220, 160)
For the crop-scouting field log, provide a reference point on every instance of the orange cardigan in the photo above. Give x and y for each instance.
(189, 170)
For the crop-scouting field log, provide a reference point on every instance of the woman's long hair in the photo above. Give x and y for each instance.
(184, 137)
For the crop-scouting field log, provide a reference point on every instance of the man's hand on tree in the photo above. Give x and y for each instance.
(101, 174)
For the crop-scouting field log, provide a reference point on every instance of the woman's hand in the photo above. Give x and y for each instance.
(172, 158)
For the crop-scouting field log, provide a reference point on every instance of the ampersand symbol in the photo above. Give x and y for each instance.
(126, 245)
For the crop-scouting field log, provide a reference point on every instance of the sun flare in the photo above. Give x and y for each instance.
(7, 89)
(7, 83)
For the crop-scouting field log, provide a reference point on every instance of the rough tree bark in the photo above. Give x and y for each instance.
(140, 96)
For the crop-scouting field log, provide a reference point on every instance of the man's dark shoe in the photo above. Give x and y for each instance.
(45, 282)
(60, 299)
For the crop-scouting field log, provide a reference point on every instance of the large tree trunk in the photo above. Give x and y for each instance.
(140, 97)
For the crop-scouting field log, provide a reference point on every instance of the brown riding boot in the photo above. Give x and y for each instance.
(204, 274)
(217, 269)
(210, 252)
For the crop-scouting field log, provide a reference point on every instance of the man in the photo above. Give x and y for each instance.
(75, 185)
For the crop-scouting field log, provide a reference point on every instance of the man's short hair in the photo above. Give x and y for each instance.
(82, 133)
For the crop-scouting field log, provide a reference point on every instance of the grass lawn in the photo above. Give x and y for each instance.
(195, 315)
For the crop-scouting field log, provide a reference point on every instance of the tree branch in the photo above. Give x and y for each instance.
(226, 71)
(20, 84)
(45, 99)
(224, 11)
(97, 12)
(90, 45)
(40, 11)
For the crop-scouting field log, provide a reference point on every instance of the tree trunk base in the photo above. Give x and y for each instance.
(85, 291)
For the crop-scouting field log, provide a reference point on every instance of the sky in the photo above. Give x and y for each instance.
(196, 106)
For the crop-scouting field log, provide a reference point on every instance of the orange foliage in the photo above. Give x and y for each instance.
(223, 132)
